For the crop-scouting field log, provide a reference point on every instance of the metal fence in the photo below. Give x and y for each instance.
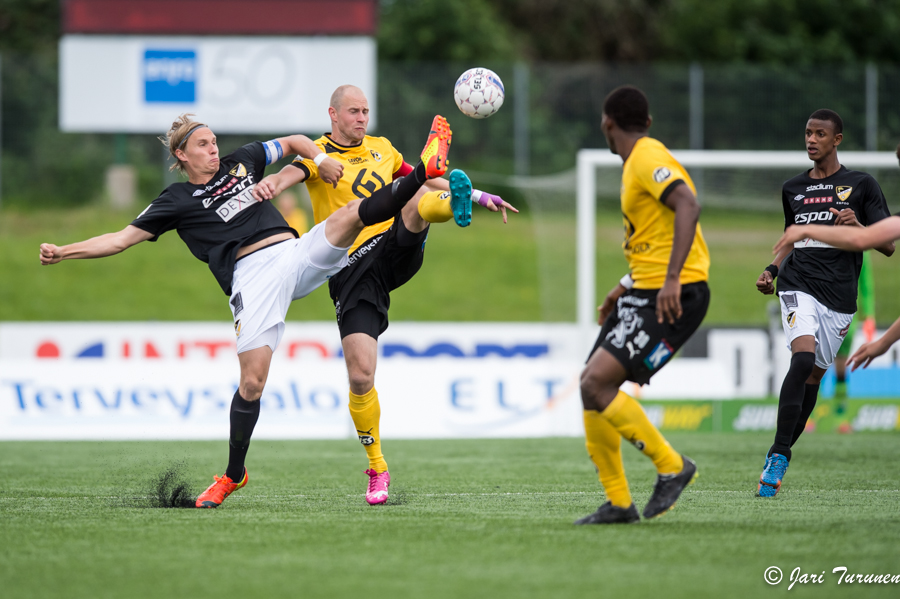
(551, 111)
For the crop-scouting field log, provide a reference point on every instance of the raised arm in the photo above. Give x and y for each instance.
(96, 247)
(330, 170)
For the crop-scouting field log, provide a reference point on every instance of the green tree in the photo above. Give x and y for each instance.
(444, 30)
(29, 24)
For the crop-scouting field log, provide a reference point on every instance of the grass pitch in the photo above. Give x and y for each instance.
(466, 518)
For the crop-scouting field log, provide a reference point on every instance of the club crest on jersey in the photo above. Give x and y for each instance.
(661, 174)
(843, 192)
(239, 171)
(375, 155)
(791, 319)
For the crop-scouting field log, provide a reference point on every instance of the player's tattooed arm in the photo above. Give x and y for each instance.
(881, 235)
(96, 247)
(869, 351)
(687, 213)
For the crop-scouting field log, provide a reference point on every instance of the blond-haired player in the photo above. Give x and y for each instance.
(257, 259)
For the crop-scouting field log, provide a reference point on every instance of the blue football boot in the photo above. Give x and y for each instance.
(772, 475)
(461, 198)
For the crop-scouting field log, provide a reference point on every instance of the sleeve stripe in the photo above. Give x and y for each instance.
(669, 189)
(302, 167)
(274, 151)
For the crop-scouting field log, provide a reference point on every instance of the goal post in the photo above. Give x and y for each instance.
(707, 162)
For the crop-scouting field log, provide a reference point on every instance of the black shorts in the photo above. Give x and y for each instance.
(361, 291)
(643, 346)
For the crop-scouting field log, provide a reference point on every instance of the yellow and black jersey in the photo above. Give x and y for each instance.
(367, 168)
(649, 175)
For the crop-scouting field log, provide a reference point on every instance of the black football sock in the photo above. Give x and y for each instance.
(790, 402)
(244, 415)
(810, 395)
(385, 203)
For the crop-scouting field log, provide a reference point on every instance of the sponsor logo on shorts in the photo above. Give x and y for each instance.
(629, 322)
(844, 331)
(375, 155)
(659, 355)
(843, 192)
(637, 344)
(661, 173)
(237, 328)
(633, 301)
(445, 195)
(790, 300)
(363, 250)
(791, 319)
(237, 303)
(239, 171)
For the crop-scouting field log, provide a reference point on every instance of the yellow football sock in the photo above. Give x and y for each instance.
(434, 207)
(366, 413)
(604, 446)
(627, 417)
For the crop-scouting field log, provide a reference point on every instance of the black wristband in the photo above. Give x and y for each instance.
(772, 270)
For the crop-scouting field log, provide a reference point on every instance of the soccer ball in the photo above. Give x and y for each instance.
(478, 93)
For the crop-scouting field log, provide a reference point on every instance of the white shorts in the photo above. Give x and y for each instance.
(268, 280)
(802, 314)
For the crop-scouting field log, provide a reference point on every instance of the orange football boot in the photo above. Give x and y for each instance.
(219, 491)
(434, 155)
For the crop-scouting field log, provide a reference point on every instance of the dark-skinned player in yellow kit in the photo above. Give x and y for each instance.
(648, 316)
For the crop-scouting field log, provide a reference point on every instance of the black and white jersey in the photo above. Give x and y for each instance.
(216, 219)
(828, 274)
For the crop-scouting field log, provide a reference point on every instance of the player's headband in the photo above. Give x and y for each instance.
(189, 133)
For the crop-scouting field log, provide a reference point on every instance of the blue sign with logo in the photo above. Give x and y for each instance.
(170, 76)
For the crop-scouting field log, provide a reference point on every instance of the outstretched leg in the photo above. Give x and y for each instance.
(344, 225)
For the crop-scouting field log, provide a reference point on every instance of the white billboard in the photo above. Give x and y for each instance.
(131, 380)
(303, 400)
(277, 85)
